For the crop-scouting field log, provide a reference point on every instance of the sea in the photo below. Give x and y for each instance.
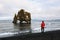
(7, 28)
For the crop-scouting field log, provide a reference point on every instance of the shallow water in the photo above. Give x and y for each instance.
(7, 28)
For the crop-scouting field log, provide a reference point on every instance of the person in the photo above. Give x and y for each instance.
(42, 26)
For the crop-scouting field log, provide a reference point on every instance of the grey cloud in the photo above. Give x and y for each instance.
(38, 8)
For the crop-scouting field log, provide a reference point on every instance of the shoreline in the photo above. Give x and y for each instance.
(51, 35)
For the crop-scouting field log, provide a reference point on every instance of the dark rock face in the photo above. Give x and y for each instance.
(15, 19)
(22, 16)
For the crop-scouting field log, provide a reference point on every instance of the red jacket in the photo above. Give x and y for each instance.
(42, 25)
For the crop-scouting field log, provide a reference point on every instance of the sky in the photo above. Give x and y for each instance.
(39, 9)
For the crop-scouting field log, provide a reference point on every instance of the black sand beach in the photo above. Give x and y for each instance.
(52, 35)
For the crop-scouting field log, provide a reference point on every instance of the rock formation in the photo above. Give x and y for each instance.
(22, 16)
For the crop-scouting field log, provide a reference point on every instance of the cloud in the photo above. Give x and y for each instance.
(12, 6)
(37, 8)
(1, 6)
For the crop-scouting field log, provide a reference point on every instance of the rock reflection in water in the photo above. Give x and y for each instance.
(23, 27)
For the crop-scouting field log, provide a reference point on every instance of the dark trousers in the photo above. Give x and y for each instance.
(42, 29)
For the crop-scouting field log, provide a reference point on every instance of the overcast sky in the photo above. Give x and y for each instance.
(39, 9)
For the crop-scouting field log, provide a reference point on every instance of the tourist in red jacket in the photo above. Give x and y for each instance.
(42, 26)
